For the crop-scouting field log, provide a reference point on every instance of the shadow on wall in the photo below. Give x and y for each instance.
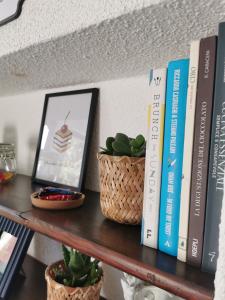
(92, 183)
(32, 146)
(112, 288)
(10, 135)
(45, 249)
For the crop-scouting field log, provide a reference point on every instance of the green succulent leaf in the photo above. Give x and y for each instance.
(140, 140)
(117, 153)
(105, 151)
(109, 142)
(93, 275)
(124, 145)
(134, 144)
(140, 153)
(122, 138)
(76, 261)
(60, 277)
(79, 281)
(86, 259)
(67, 282)
(134, 150)
(66, 255)
(121, 147)
(80, 270)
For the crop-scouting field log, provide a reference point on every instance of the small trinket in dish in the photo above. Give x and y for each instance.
(57, 198)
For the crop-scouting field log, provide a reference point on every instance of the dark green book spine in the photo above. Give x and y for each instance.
(216, 162)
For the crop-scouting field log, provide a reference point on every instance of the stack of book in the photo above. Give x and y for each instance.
(185, 157)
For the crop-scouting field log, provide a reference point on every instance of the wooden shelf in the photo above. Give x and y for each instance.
(33, 285)
(118, 245)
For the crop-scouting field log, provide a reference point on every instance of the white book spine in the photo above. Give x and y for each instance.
(188, 151)
(153, 162)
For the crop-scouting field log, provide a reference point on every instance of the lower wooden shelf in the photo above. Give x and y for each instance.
(32, 286)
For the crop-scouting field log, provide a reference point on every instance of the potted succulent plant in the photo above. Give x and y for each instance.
(121, 166)
(74, 278)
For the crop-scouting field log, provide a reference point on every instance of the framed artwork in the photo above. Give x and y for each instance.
(14, 242)
(10, 10)
(64, 139)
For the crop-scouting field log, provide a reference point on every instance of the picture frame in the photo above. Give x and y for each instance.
(16, 239)
(10, 10)
(64, 138)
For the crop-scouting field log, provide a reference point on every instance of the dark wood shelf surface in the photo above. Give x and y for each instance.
(14, 197)
(87, 230)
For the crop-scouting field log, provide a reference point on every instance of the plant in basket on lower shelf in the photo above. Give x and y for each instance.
(121, 166)
(78, 276)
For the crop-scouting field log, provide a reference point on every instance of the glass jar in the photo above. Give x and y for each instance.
(7, 162)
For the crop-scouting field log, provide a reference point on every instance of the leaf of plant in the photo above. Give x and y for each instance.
(79, 282)
(92, 276)
(117, 153)
(81, 271)
(134, 144)
(134, 150)
(76, 262)
(87, 282)
(105, 151)
(121, 147)
(86, 259)
(140, 140)
(67, 282)
(66, 255)
(121, 137)
(140, 153)
(109, 142)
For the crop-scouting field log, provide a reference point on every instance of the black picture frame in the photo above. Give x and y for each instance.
(15, 15)
(44, 180)
(24, 236)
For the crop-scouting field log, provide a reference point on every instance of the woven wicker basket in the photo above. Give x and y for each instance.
(121, 187)
(57, 291)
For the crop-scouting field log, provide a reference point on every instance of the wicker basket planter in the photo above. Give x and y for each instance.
(121, 187)
(57, 291)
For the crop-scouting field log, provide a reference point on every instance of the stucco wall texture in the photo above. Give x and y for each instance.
(56, 43)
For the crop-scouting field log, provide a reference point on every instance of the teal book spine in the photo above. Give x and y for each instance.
(176, 98)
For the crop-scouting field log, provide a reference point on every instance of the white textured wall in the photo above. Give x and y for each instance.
(122, 107)
(57, 18)
(58, 43)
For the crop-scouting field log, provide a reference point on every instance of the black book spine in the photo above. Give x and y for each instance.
(216, 162)
(203, 118)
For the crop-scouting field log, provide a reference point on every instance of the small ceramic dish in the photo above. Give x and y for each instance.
(56, 205)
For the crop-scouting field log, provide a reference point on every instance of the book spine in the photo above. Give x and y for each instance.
(216, 162)
(201, 149)
(176, 96)
(153, 162)
(188, 150)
